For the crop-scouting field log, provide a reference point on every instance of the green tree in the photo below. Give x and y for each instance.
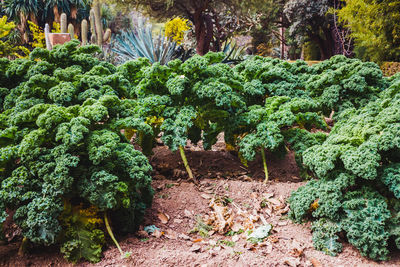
(271, 20)
(310, 21)
(209, 17)
(375, 27)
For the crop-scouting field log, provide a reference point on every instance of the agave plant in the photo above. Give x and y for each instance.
(233, 52)
(139, 42)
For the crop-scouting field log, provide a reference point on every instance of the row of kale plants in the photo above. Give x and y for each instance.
(68, 172)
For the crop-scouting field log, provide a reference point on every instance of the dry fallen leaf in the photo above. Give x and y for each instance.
(293, 262)
(197, 240)
(257, 205)
(217, 248)
(157, 234)
(254, 218)
(282, 223)
(273, 239)
(178, 221)
(268, 195)
(315, 262)
(171, 234)
(195, 248)
(269, 249)
(164, 218)
(274, 201)
(212, 242)
(221, 217)
(268, 211)
(235, 238)
(142, 234)
(236, 227)
(267, 245)
(254, 195)
(205, 196)
(183, 236)
(284, 210)
(187, 213)
(264, 221)
(296, 249)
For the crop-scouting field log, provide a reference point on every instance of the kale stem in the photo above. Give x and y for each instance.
(111, 233)
(185, 162)
(265, 164)
(22, 248)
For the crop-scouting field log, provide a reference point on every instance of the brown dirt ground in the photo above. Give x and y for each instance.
(221, 175)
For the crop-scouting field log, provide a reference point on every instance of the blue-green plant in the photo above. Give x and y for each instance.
(139, 41)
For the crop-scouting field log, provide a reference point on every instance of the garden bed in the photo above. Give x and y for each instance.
(183, 203)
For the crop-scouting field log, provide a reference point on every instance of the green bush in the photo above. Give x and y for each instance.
(358, 190)
(64, 164)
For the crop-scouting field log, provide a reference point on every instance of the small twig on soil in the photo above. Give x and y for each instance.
(111, 233)
(240, 211)
(243, 168)
(263, 219)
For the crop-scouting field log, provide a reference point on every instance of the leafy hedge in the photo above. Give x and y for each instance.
(66, 120)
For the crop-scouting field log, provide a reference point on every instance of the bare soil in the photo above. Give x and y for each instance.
(178, 207)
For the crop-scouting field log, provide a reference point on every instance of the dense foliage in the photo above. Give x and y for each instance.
(62, 112)
(358, 167)
(67, 119)
(375, 27)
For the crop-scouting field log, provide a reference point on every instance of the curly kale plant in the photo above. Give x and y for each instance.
(266, 125)
(61, 147)
(273, 77)
(358, 190)
(202, 97)
(340, 83)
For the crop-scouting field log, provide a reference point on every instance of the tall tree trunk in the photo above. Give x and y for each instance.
(203, 27)
(283, 46)
(329, 43)
(22, 28)
(56, 14)
(324, 45)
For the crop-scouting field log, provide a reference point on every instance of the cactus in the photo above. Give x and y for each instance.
(98, 24)
(107, 35)
(92, 27)
(84, 32)
(96, 27)
(97, 35)
(71, 31)
(63, 23)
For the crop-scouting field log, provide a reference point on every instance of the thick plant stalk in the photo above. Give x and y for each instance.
(264, 164)
(185, 162)
(111, 233)
(22, 248)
